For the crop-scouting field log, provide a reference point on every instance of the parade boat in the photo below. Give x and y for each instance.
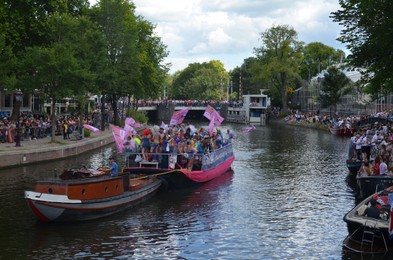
(368, 185)
(341, 131)
(367, 234)
(206, 167)
(80, 195)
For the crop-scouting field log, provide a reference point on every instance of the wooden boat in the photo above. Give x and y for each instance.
(369, 185)
(342, 131)
(206, 168)
(84, 195)
(366, 234)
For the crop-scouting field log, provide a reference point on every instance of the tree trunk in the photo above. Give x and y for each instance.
(103, 113)
(115, 110)
(53, 119)
(284, 93)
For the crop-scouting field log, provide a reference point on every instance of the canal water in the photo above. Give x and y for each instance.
(284, 199)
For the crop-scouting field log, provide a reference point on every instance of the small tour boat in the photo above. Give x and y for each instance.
(206, 168)
(369, 185)
(88, 194)
(367, 234)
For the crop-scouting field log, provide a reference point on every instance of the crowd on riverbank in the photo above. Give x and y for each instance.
(33, 127)
(316, 119)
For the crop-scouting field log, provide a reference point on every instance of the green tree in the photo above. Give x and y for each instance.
(151, 55)
(54, 70)
(318, 57)
(335, 85)
(250, 76)
(133, 65)
(280, 57)
(117, 21)
(201, 81)
(24, 23)
(368, 36)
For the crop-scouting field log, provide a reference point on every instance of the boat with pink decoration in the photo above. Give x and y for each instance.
(172, 171)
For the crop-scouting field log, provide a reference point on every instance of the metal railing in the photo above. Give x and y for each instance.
(179, 160)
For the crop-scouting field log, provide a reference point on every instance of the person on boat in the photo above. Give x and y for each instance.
(358, 146)
(191, 150)
(376, 164)
(383, 167)
(146, 144)
(365, 169)
(372, 211)
(366, 145)
(113, 167)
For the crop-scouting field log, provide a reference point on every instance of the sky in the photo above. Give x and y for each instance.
(229, 30)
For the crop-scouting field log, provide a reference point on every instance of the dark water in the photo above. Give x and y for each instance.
(285, 199)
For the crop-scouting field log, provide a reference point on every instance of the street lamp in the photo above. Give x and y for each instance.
(18, 99)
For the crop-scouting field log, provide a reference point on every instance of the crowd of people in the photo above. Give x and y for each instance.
(178, 146)
(33, 127)
(374, 146)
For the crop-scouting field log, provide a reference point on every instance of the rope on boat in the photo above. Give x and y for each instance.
(156, 174)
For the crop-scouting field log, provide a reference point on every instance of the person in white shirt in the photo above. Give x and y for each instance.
(383, 168)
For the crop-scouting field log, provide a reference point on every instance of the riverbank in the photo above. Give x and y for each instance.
(41, 150)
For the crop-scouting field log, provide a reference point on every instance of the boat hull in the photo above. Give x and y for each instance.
(60, 208)
(369, 185)
(182, 178)
(360, 227)
(341, 131)
(354, 166)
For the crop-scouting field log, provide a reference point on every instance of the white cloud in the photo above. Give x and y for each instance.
(228, 30)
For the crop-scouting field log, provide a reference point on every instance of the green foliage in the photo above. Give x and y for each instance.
(318, 57)
(86, 133)
(368, 36)
(139, 116)
(283, 114)
(280, 57)
(334, 86)
(201, 81)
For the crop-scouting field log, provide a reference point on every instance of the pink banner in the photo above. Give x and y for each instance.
(131, 121)
(117, 132)
(91, 128)
(211, 113)
(129, 130)
(178, 117)
(248, 129)
(211, 127)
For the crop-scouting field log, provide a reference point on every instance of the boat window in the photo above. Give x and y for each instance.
(83, 191)
(106, 189)
(117, 186)
(50, 191)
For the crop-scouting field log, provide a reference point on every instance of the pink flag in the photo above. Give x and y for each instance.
(91, 128)
(117, 132)
(211, 113)
(129, 130)
(211, 127)
(131, 121)
(248, 129)
(178, 117)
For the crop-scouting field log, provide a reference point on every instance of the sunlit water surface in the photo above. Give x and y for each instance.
(285, 199)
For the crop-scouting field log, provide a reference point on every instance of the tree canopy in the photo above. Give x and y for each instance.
(335, 85)
(368, 35)
(280, 56)
(201, 81)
